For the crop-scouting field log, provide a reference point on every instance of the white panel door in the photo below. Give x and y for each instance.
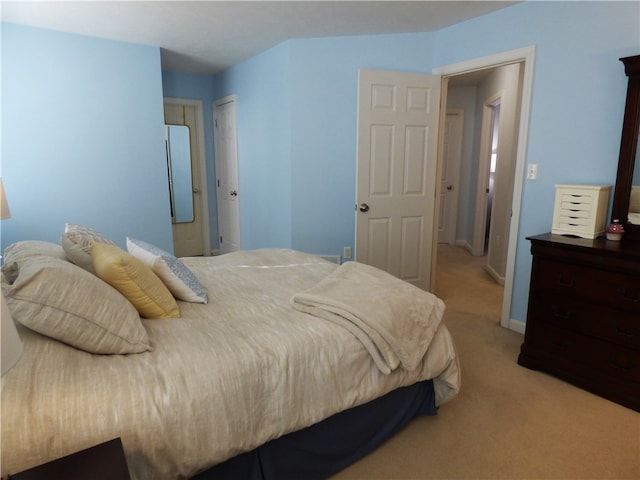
(450, 176)
(226, 151)
(398, 116)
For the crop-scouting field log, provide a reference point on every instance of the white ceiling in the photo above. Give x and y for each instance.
(207, 36)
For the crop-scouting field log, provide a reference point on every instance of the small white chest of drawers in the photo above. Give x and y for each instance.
(580, 210)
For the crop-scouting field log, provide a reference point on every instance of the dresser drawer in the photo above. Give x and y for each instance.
(620, 327)
(583, 319)
(599, 356)
(608, 288)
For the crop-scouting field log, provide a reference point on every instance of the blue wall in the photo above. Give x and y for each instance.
(263, 108)
(297, 107)
(82, 137)
(324, 90)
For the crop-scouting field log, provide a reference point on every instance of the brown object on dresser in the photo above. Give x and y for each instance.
(102, 462)
(583, 321)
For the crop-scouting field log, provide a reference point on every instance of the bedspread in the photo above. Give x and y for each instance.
(222, 379)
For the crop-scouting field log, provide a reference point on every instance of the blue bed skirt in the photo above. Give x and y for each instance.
(323, 449)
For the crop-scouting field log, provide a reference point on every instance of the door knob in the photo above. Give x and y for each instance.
(449, 187)
(234, 193)
(364, 207)
(196, 190)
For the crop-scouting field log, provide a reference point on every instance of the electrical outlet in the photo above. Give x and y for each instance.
(346, 253)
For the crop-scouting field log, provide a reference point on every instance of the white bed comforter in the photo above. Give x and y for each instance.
(223, 379)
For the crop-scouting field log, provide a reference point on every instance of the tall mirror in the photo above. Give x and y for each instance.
(626, 197)
(179, 166)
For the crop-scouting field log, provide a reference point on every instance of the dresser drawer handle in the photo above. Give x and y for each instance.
(571, 282)
(562, 315)
(629, 365)
(632, 296)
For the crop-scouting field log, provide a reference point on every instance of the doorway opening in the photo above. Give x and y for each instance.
(495, 93)
(187, 174)
(479, 97)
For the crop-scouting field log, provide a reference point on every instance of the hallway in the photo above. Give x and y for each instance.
(464, 285)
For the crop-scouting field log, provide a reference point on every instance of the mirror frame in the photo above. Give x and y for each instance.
(628, 149)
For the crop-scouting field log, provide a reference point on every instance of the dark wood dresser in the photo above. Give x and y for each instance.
(583, 319)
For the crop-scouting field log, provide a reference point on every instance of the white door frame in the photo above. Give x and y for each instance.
(202, 165)
(526, 55)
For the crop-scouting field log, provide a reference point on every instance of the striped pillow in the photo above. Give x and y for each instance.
(181, 281)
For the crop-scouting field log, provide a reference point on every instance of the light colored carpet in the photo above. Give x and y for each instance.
(508, 422)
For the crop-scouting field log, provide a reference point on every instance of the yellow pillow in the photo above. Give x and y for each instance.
(134, 280)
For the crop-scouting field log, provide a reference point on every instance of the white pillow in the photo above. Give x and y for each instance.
(181, 281)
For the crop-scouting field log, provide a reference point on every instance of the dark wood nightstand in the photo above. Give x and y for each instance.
(102, 462)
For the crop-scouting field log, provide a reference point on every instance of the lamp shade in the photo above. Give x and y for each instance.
(10, 342)
(4, 206)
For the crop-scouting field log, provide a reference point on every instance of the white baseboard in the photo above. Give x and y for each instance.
(332, 258)
(516, 325)
(495, 275)
(464, 244)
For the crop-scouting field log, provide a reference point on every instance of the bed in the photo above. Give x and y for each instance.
(222, 389)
